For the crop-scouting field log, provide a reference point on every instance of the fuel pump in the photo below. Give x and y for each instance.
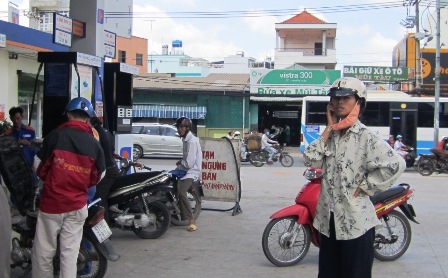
(118, 93)
(67, 75)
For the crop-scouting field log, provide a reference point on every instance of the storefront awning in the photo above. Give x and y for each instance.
(168, 111)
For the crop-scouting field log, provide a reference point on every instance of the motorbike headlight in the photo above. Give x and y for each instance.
(312, 173)
(124, 163)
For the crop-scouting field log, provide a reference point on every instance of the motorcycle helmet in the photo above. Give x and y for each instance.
(347, 86)
(183, 121)
(237, 133)
(81, 104)
(399, 136)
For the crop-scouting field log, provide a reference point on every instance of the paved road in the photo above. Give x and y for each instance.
(230, 246)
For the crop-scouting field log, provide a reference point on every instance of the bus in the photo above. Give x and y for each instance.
(387, 113)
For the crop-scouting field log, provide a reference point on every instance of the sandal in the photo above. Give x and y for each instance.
(192, 228)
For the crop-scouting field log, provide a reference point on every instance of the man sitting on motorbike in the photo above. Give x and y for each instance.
(267, 146)
(400, 147)
(191, 162)
(443, 144)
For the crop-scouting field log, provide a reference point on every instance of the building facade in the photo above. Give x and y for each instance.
(132, 51)
(305, 41)
(216, 103)
(19, 67)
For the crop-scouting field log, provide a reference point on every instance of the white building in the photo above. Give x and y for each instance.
(174, 61)
(305, 41)
(118, 15)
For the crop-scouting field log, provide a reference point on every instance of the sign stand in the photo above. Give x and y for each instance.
(217, 168)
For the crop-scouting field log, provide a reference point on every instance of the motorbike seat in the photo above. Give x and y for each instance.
(132, 179)
(390, 194)
(441, 154)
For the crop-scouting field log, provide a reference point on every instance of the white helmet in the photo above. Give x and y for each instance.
(237, 133)
(346, 86)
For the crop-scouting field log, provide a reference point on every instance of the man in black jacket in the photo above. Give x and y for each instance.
(112, 172)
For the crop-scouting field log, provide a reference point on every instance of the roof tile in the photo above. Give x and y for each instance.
(304, 17)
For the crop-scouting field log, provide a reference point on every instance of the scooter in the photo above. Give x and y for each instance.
(259, 158)
(286, 239)
(163, 187)
(132, 207)
(411, 157)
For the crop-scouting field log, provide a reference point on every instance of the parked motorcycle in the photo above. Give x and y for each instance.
(430, 163)
(132, 206)
(94, 251)
(95, 248)
(163, 187)
(287, 237)
(259, 158)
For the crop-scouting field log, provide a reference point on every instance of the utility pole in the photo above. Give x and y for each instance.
(418, 62)
(151, 61)
(437, 77)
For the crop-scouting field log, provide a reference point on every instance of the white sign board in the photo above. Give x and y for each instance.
(62, 29)
(62, 38)
(110, 41)
(89, 60)
(109, 38)
(2, 40)
(63, 23)
(220, 170)
(109, 51)
(129, 68)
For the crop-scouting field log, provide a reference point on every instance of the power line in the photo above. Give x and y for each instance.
(258, 13)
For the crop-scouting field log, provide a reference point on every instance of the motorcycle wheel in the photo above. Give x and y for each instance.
(91, 262)
(401, 228)
(137, 152)
(416, 163)
(426, 166)
(195, 206)
(160, 216)
(277, 243)
(256, 159)
(286, 160)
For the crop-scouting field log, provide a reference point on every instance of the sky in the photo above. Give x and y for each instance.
(364, 37)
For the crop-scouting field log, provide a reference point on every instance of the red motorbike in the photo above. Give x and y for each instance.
(287, 237)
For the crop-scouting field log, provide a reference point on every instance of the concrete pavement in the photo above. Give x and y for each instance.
(230, 246)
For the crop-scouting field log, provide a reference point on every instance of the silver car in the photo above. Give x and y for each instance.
(156, 140)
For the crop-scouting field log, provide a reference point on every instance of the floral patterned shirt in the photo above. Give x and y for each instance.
(358, 159)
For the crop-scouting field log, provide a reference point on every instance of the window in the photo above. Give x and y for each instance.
(139, 59)
(121, 56)
(136, 129)
(443, 115)
(170, 132)
(317, 113)
(376, 114)
(151, 130)
(425, 115)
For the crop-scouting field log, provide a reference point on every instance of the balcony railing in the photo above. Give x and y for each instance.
(307, 51)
